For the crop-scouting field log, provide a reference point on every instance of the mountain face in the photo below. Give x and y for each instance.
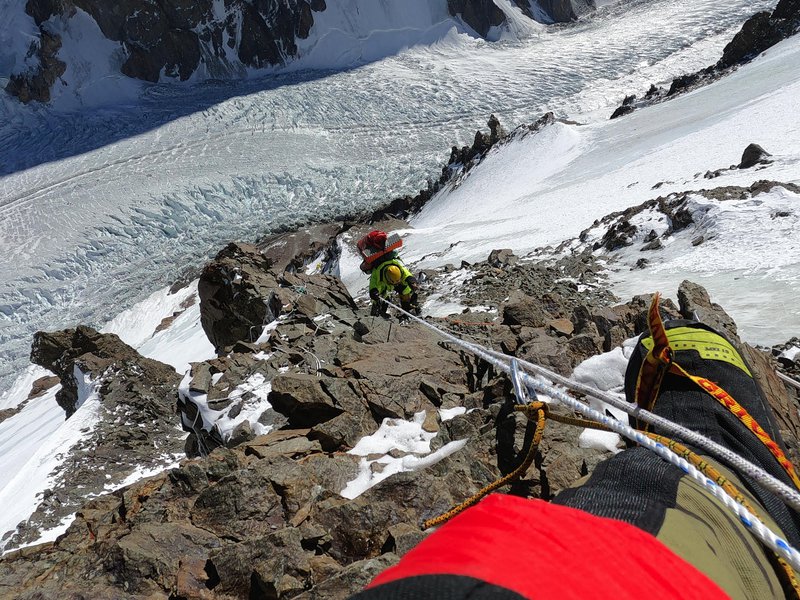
(275, 499)
(179, 39)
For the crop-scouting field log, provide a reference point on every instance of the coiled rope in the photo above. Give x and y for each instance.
(751, 521)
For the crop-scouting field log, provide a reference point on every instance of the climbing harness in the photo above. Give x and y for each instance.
(511, 366)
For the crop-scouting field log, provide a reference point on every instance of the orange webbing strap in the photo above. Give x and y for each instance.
(737, 409)
(659, 360)
(540, 410)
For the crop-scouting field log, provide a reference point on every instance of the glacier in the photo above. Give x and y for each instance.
(104, 204)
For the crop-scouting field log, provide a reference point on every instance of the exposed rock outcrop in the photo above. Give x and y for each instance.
(753, 155)
(293, 250)
(270, 511)
(175, 39)
(129, 420)
(240, 294)
(37, 83)
(668, 214)
(759, 33)
(83, 348)
(563, 11)
(481, 15)
(177, 36)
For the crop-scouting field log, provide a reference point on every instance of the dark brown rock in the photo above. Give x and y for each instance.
(302, 400)
(621, 111)
(521, 309)
(753, 155)
(36, 84)
(237, 295)
(757, 34)
(41, 385)
(480, 15)
(292, 251)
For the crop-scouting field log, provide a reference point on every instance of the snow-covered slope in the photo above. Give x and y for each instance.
(133, 194)
(225, 41)
(544, 188)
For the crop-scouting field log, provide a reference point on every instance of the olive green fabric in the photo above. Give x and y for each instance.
(703, 532)
(699, 529)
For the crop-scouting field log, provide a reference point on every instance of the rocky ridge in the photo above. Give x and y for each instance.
(135, 425)
(650, 224)
(265, 507)
(759, 33)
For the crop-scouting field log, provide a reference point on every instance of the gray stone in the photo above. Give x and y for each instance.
(753, 155)
(695, 303)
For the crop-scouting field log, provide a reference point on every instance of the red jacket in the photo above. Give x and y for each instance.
(545, 551)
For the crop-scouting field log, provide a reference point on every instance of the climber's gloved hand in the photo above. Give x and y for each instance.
(379, 306)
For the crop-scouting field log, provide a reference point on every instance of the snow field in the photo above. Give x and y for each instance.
(541, 189)
(38, 441)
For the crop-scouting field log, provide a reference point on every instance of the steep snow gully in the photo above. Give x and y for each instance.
(101, 206)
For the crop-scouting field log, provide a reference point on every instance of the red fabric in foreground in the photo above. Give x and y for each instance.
(545, 551)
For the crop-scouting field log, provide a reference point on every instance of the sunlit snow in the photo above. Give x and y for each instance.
(100, 210)
(38, 443)
(409, 438)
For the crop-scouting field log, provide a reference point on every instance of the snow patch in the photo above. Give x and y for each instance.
(446, 414)
(249, 398)
(395, 434)
(40, 442)
(605, 372)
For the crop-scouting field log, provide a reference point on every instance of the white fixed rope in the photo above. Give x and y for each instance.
(767, 537)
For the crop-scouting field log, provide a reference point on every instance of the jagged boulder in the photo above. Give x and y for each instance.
(37, 83)
(237, 295)
(293, 250)
(129, 424)
(695, 303)
(564, 11)
(525, 310)
(240, 293)
(92, 353)
(502, 258)
(752, 156)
